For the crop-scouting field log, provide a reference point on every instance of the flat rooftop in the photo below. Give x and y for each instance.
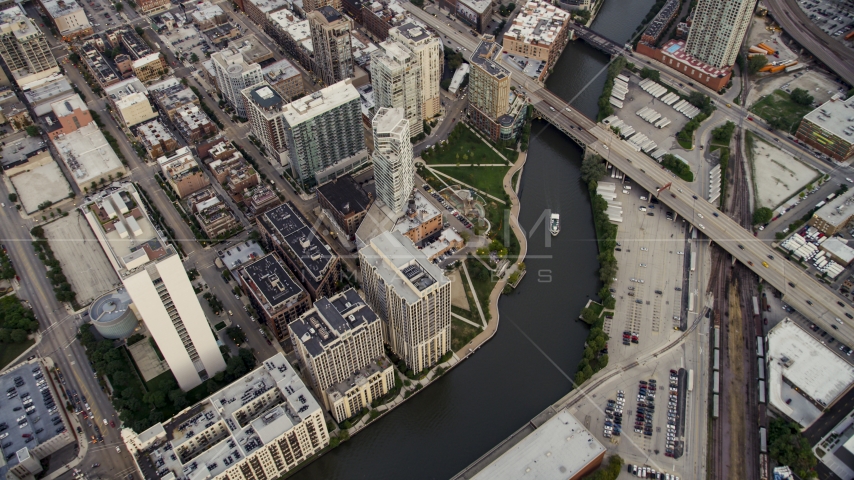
(402, 266)
(271, 282)
(484, 56)
(345, 195)
(241, 254)
(424, 212)
(45, 90)
(20, 147)
(312, 252)
(67, 106)
(838, 210)
(264, 96)
(839, 249)
(111, 306)
(59, 8)
(236, 421)
(836, 117)
(320, 102)
(87, 154)
(560, 448)
(479, 6)
(676, 50)
(331, 319)
(281, 70)
(815, 369)
(414, 32)
(538, 23)
(124, 88)
(126, 233)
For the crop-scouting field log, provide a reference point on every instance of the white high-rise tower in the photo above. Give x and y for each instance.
(718, 29)
(394, 167)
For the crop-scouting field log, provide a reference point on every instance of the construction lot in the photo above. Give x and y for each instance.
(764, 30)
(652, 252)
(83, 261)
(777, 176)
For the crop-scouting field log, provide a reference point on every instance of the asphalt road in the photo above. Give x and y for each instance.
(797, 286)
(797, 24)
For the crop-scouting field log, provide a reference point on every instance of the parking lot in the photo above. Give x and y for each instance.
(185, 41)
(649, 288)
(833, 17)
(74, 243)
(647, 406)
(29, 414)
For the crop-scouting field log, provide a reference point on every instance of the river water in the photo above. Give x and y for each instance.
(528, 364)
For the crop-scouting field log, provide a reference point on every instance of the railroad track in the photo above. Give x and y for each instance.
(741, 211)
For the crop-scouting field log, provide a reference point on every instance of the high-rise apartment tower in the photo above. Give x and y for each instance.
(427, 49)
(152, 272)
(718, 29)
(339, 343)
(396, 77)
(411, 295)
(330, 39)
(394, 166)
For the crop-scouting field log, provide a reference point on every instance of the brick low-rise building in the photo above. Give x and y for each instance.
(313, 262)
(673, 55)
(193, 123)
(156, 139)
(183, 172)
(345, 202)
(214, 217)
(274, 292)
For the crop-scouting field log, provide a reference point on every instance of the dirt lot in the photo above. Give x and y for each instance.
(777, 175)
(817, 84)
(83, 261)
(44, 183)
(760, 33)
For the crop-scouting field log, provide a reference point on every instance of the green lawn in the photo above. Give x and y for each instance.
(483, 283)
(487, 179)
(780, 111)
(461, 334)
(468, 144)
(10, 351)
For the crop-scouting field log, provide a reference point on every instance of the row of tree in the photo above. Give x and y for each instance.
(704, 103)
(61, 288)
(605, 108)
(680, 168)
(140, 406)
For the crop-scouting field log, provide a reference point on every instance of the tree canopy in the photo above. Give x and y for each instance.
(16, 320)
(762, 215)
(755, 63)
(801, 97)
(789, 447)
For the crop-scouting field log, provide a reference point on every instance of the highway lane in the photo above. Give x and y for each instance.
(797, 24)
(823, 308)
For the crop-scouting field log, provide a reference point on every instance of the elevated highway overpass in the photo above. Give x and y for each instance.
(800, 290)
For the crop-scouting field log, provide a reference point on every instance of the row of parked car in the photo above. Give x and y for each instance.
(646, 407)
(649, 472)
(671, 413)
(614, 416)
(459, 216)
